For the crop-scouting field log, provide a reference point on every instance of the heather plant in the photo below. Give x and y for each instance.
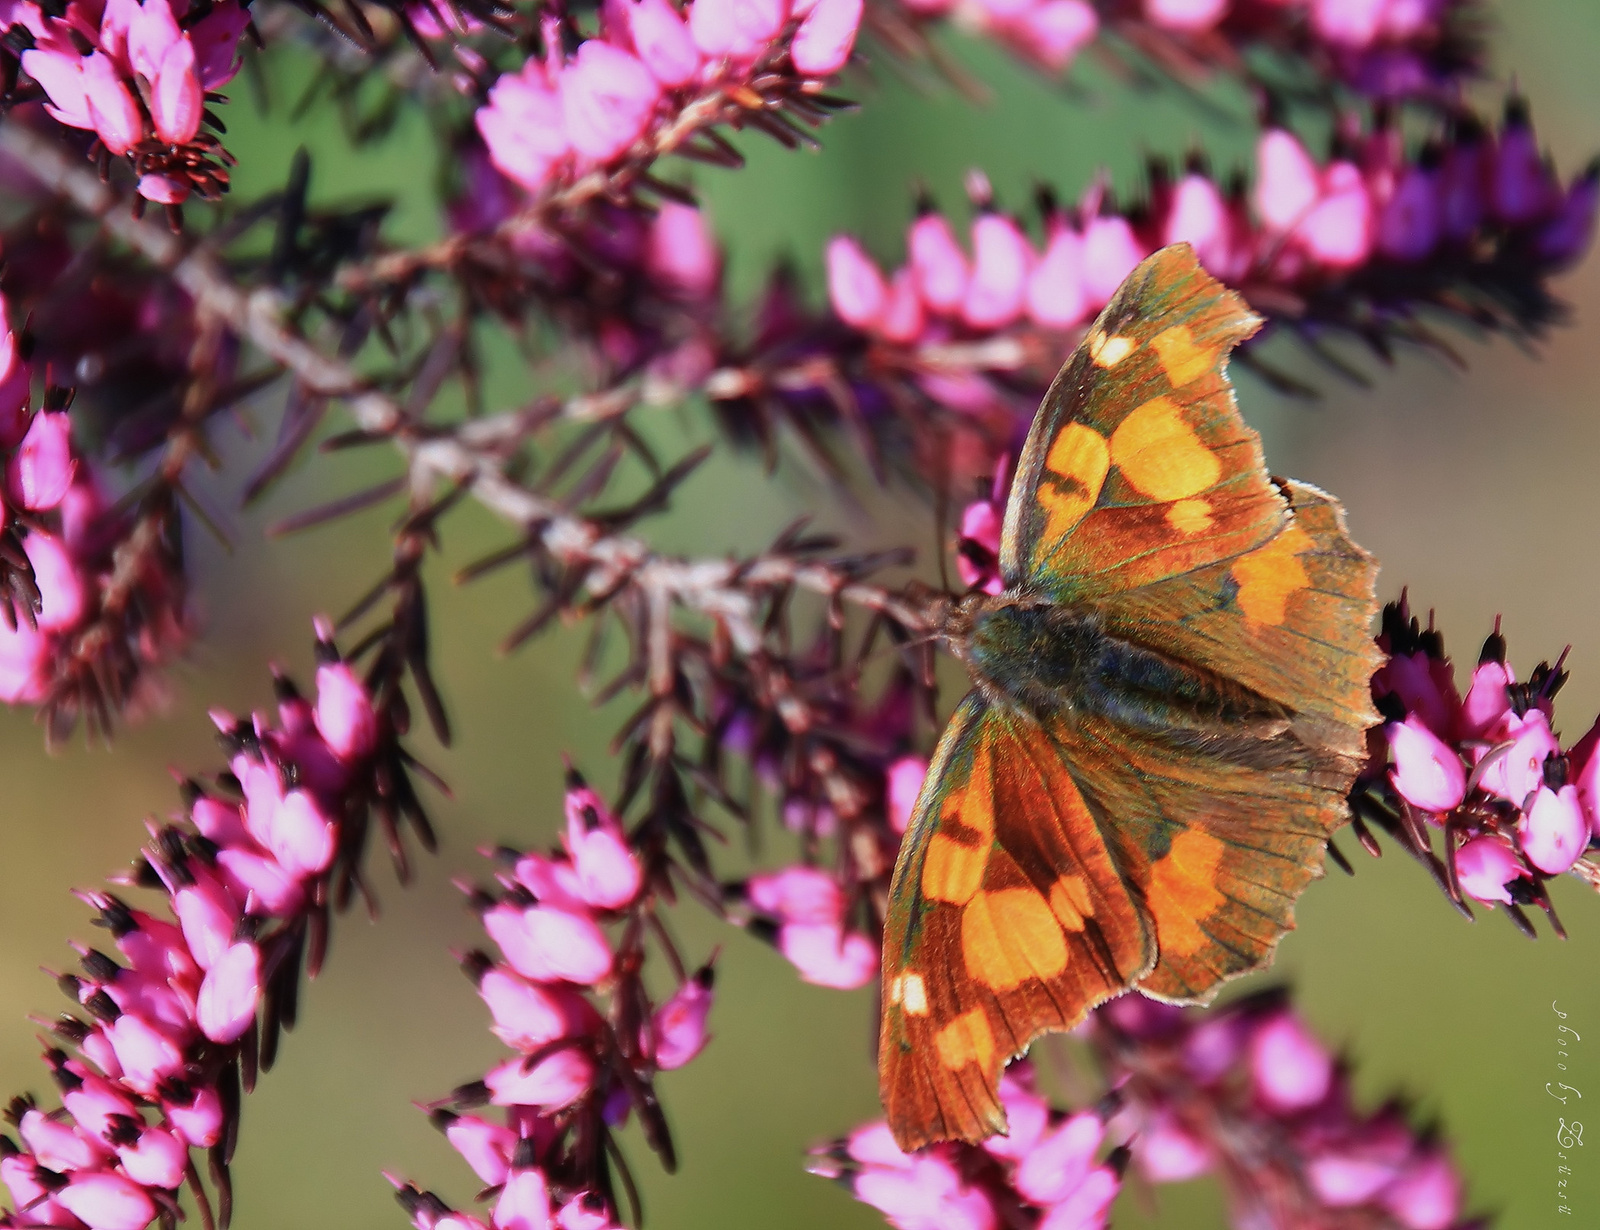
(770, 711)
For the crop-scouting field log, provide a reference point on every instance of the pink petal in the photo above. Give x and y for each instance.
(115, 114)
(735, 29)
(1555, 831)
(524, 1203)
(607, 98)
(1002, 258)
(662, 42)
(1111, 252)
(1291, 1069)
(856, 286)
(344, 715)
(1189, 16)
(557, 1080)
(938, 265)
(1054, 1168)
(679, 1025)
(1057, 298)
(1287, 182)
(41, 470)
(549, 944)
(104, 1200)
(486, 1147)
(828, 957)
(62, 585)
(1427, 772)
(797, 895)
(822, 44)
(905, 779)
(230, 994)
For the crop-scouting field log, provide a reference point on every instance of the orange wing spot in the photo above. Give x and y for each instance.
(1079, 460)
(1009, 936)
(951, 871)
(910, 992)
(1190, 516)
(1109, 351)
(1070, 903)
(1183, 891)
(967, 1039)
(1181, 359)
(1270, 574)
(973, 805)
(1161, 455)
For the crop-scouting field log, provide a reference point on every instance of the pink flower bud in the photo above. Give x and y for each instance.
(822, 44)
(1566, 236)
(230, 994)
(1337, 232)
(177, 102)
(41, 470)
(904, 784)
(1189, 16)
(1408, 227)
(208, 915)
(1462, 185)
(1518, 771)
(61, 585)
(735, 29)
(682, 253)
(1027, 1119)
(1053, 32)
(1111, 252)
(528, 1015)
(608, 871)
(1287, 183)
(978, 547)
(24, 663)
(607, 99)
(1348, 23)
(1343, 1180)
(1056, 298)
(20, 1173)
(523, 127)
(156, 1159)
(938, 265)
(1425, 691)
(828, 957)
(216, 43)
(1086, 1207)
(855, 284)
(198, 1122)
(524, 1202)
(1427, 772)
(679, 1025)
(59, 73)
(1198, 216)
(1520, 187)
(59, 1146)
(486, 1147)
(152, 31)
(585, 1212)
(1555, 831)
(1058, 1164)
(300, 836)
(797, 895)
(146, 1056)
(873, 1145)
(662, 43)
(220, 822)
(1487, 702)
(94, 1103)
(344, 716)
(549, 944)
(115, 114)
(1169, 1153)
(557, 1080)
(105, 1200)
(903, 320)
(1427, 1195)
(1290, 1068)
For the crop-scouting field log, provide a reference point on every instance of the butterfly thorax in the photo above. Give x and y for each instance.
(1030, 654)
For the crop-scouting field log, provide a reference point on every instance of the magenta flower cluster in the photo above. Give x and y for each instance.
(151, 1068)
(1045, 1173)
(136, 73)
(580, 1068)
(560, 115)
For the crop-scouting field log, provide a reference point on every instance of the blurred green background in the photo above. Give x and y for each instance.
(1477, 489)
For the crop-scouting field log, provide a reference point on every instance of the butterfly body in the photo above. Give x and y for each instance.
(1167, 710)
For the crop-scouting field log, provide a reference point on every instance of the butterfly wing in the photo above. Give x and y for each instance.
(1007, 917)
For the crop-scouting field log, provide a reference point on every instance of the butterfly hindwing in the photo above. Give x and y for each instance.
(1007, 918)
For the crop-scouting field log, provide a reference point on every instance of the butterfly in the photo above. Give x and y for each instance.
(1169, 704)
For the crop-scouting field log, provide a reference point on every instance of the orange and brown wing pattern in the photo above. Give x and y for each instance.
(1138, 465)
(1007, 918)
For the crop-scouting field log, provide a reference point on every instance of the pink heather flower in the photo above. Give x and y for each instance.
(607, 99)
(344, 715)
(584, 1212)
(216, 43)
(679, 1027)
(978, 553)
(145, 1056)
(823, 42)
(856, 286)
(528, 1015)
(1567, 236)
(1086, 1207)
(939, 267)
(1287, 180)
(1485, 866)
(1554, 831)
(59, 72)
(1198, 216)
(549, 944)
(1055, 1167)
(1487, 701)
(1189, 16)
(1111, 251)
(1052, 33)
(62, 587)
(804, 895)
(737, 30)
(1426, 687)
(904, 783)
(523, 126)
(1002, 259)
(661, 41)
(681, 253)
(208, 916)
(298, 835)
(1337, 231)
(1168, 1153)
(925, 1193)
(1427, 772)
(230, 994)
(260, 881)
(1348, 23)
(24, 663)
(557, 1080)
(486, 1147)
(1056, 298)
(524, 1202)
(903, 318)
(198, 1121)
(157, 1159)
(1518, 771)
(41, 470)
(1461, 184)
(827, 956)
(1343, 1180)
(1214, 1046)
(1427, 1195)
(105, 1200)
(1027, 1118)
(608, 872)
(112, 108)
(57, 1145)
(1520, 186)
(1409, 224)
(1289, 1067)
